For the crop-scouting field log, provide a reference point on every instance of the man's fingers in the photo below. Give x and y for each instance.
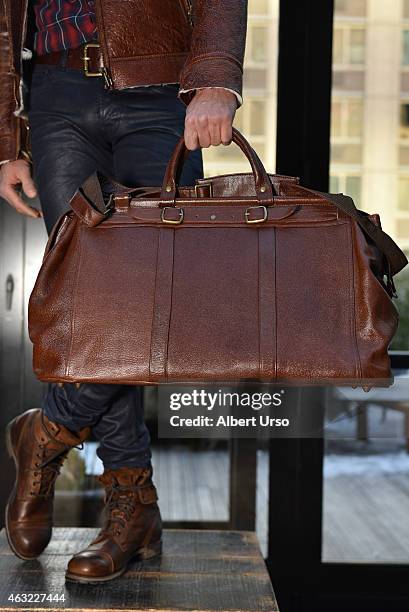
(214, 130)
(28, 185)
(190, 135)
(209, 118)
(18, 203)
(197, 131)
(226, 132)
(202, 129)
(191, 138)
(12, 175)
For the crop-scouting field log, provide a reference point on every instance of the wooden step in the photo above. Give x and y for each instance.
(199, 570)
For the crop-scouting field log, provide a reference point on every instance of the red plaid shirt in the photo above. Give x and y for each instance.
(63, 24)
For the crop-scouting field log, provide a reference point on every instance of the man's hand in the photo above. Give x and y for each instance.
(14, 175)
(209, 118)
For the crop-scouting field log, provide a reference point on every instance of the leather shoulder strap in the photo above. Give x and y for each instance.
(88, 202)
(396, 258)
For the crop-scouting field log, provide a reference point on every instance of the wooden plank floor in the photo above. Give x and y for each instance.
(366, 496)
(366, 514)
(199, 570)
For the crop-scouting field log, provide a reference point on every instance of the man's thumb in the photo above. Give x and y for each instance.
(29, 187)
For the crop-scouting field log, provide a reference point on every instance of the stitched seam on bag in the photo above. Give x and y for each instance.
(165, 369)
(74, 303)
(154, 302)
(275, 307)
(82, 216)
(352, 309)
(260, 357)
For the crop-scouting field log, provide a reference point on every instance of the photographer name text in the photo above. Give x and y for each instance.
(228, 421)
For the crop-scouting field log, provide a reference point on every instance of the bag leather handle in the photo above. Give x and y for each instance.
(264, 188)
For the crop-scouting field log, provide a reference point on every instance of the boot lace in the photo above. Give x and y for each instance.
(47, 468)
(120, 505)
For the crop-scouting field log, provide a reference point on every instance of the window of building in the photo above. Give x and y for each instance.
(354, 8)
(357, 46)
(353, 187)
(336, 119)
(258, 44)
(404, 120)
(348, 184)
(337, 48)
(405, 50)
(346, 153)
(404, 155)
(349, 45)
(354, 118)
(251, 118)
(403, 193)
(257, 118)
(334, 184)
(347, 118)
(259, 7)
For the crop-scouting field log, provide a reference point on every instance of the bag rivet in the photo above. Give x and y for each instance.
(262, 189)
(168, 188)
(212, 217)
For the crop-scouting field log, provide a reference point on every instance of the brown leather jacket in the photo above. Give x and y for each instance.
(197, 43)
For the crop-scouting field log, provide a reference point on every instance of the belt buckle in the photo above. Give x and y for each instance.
(87, 59)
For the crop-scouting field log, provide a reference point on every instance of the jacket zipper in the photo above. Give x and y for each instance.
(109, 84)
(19, 93)
(188, 10)
(23, 36)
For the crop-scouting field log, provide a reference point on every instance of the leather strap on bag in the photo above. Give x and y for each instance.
(396, 258)
(162, 304)
(265, 194)
(88, 201)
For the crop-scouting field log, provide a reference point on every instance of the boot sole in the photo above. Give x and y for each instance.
(143, 554)
(10, 451)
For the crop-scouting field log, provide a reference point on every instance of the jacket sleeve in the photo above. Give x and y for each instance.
(9, 123)
(9, 127)
(217, 48)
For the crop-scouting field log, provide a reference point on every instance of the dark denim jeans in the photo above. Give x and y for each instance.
(77, 127)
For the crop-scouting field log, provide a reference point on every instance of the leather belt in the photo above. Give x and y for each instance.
(87, 58)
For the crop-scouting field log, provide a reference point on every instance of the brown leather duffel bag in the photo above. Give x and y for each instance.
(242, 277)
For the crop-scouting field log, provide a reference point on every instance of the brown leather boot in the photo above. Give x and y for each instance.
(132, 527)
(38, 447)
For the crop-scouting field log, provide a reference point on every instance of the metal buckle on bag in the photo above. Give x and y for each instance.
(204, 184)
(251, 221)
(87, 60)
(172, 221)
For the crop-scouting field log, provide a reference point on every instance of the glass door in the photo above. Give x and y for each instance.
(338, 528)
(366, 463)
